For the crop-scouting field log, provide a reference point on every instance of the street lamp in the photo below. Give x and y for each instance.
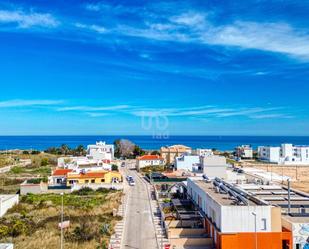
(255, 230)
(61, 242)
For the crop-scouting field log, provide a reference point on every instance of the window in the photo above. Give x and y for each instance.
(92, 181)
(86, 181)
(264, 224)
(102, 180)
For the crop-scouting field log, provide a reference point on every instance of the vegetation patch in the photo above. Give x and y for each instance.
(37, 216)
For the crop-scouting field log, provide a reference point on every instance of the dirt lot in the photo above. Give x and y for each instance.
(298, 173)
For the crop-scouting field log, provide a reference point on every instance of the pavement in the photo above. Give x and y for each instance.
(140, 227)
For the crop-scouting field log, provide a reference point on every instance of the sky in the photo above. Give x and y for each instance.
(154, 67)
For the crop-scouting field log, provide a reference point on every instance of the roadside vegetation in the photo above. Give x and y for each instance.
(41, 166)
(33, 223)
(152, 169)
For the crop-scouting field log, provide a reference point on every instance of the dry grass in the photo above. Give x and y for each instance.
(45, 215)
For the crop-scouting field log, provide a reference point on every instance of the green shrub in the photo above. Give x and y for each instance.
(19, 227)
(16, 170)
(83, 191)
(44, 162)
(4, 231)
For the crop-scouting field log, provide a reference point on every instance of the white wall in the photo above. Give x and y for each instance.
(145, 163)
(6, 202)
(186, 162)
(230, 219)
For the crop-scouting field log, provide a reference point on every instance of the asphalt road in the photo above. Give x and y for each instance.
(139, 232)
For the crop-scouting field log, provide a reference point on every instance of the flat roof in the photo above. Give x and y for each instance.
(277, 195)
(221, 198)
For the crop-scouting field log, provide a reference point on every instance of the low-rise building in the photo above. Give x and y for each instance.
(188, 162)
(244, 152)
(101, 151)
(204, 152)
(169, 153)
(149, 160)
(236, 221)
(286, 154)
(99, 177)
(59, 176)
(7, 202)
(214, 166)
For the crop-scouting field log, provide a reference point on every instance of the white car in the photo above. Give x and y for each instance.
(132, 183)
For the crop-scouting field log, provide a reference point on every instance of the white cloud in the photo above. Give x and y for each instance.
(97, 115)
(95, 28)
(94, 108)
(193, 27)
(210, 112)
(274, 37)
(27, 20)
(24, 103)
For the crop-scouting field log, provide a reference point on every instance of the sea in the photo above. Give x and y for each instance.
(223, 143)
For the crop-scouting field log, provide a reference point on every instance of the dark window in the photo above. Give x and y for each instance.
(92, 181)
(102, 180)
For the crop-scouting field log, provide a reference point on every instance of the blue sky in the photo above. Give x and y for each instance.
(154, 67)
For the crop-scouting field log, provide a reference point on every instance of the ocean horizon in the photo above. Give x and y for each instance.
(148, 142)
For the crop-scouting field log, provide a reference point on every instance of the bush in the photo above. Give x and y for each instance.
(35, 181)
(114, 167)
(16, 170)
(83, 191)
(19, 227)
(4, 231)
(44, 162)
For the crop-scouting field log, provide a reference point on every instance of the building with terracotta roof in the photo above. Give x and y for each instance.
(94, 177)
(170, 153)
(59, 176)
(149, 160)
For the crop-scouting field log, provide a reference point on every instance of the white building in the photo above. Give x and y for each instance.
(99, 156)
(286, 154)
(149, 160)
(214, 166)
(204, 152)
(188, 162)
(100, 151)
(7, 202)
(244, 152)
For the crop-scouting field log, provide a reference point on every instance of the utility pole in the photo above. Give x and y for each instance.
(289, 196)
(255, 229)
(61, 242)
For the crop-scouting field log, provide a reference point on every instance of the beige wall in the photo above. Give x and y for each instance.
(276, 225)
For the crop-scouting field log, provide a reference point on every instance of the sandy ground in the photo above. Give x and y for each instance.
(300, 174)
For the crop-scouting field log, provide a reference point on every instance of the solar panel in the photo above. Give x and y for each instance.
(273, 198)
(297, 198)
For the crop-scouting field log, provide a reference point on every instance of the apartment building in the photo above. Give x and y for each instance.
(286, 154)
(169, 153)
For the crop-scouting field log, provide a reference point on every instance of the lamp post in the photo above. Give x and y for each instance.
(255, 230)
(61, 242)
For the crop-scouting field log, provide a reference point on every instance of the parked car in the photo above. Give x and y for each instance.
(132, 183)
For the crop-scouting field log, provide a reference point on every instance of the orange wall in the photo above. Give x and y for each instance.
(247, 240)
(268, 240)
